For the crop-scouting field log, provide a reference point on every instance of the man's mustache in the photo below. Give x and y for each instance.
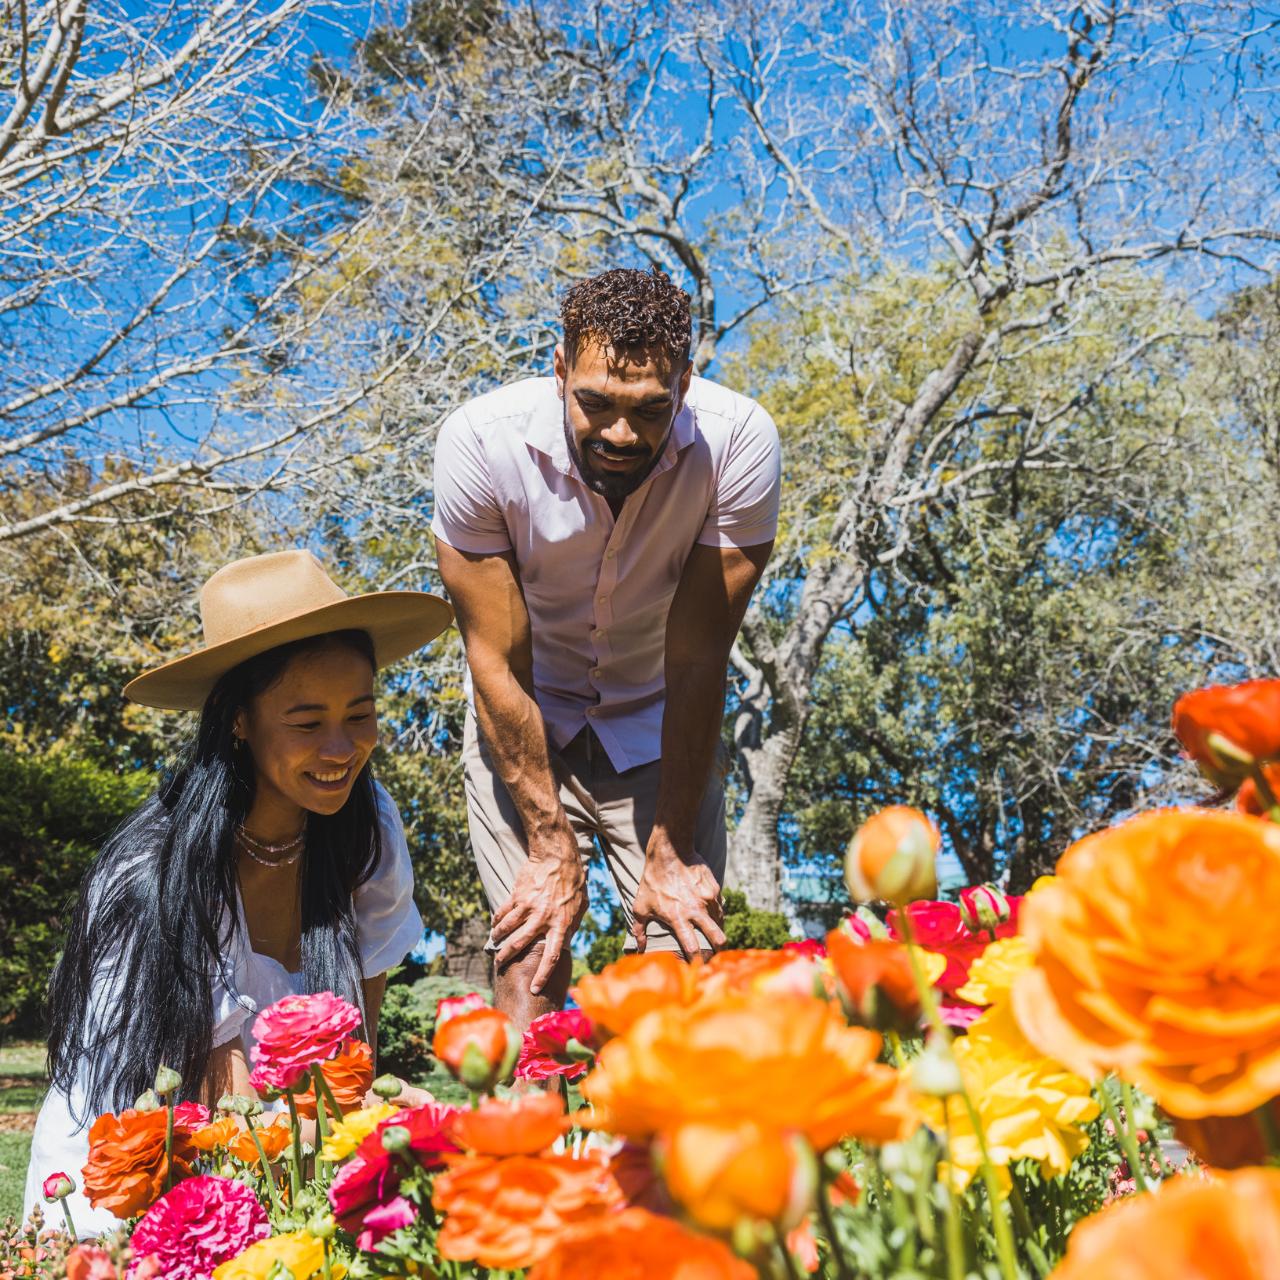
(631, 451)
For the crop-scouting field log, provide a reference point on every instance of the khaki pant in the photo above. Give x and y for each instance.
(616, 809)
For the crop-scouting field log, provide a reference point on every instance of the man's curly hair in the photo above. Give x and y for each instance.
(630, 311)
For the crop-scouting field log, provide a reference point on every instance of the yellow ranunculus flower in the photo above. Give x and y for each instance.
(1031, 1107)
(302, 1253)
(347, 1134)
(993, 973)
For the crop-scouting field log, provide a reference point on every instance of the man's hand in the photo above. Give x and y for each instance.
(548, 901)
(682, 895)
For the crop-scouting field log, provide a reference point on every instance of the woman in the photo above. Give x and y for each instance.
(268, 862)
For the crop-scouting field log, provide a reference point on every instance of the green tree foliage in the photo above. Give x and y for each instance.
(55, 809)
(1012, 665)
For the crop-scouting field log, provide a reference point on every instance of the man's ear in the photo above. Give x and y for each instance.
(561, 367)
(683, 389)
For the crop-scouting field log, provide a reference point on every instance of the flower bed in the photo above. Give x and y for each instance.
(987, 1087)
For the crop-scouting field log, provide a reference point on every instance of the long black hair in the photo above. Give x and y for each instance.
(153, 927)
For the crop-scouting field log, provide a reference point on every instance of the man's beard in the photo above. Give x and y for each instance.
(611, 487)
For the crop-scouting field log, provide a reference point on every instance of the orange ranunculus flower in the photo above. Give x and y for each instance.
(637, 1243)
(735, 1057)
(479, 1047)
(274, 1137)
(1225, 1228)
(626, 990)
(1155, 956)
(509, 1212)
(767, 972)
(127, 1164)
(1227, 1142)
(722, 1174)
(892, 857)
(220, 1133)
(1224, 726)
(349, 1076)
(1247, 798)
(875, 980)
(520, 1126)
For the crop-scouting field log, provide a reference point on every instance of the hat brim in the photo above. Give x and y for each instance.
(398, 622)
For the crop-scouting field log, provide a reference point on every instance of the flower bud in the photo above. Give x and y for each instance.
(891, 857)
(149, 1101)
(239, 1105)
(396, 1138)
(58, 1186)
(983, 908)
(388, 1087)
(480, 1048)
(167, 1081)
(935, 1072)
(322, 1226)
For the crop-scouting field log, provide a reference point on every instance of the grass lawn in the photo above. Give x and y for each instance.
(22, 1085)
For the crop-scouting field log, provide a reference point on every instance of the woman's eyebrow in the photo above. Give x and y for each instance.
(321, 706)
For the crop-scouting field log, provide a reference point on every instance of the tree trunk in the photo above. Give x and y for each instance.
(755, 859)
(464, 953)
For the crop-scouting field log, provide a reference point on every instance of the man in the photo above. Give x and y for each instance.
(600, 535)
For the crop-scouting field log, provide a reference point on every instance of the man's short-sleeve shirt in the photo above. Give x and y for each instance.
(598, 590)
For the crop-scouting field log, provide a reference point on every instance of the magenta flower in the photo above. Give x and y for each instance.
(370, 1180)
(544, 1051)
(452, 1006)
(297, 1032)
(939, 926)
(382, 1221)
(812, 948)
(196, 1227)
(57, 1186)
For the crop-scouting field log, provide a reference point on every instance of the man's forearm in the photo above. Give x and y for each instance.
(690, 733)
(514, 732)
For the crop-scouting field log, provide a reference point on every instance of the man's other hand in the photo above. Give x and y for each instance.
(682, 895)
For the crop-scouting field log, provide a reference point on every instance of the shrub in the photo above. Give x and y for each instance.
(406, 1027)
(55, 810)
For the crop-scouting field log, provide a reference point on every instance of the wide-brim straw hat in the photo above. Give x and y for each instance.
(255, 604)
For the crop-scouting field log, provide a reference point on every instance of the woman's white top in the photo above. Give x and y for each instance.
(388, 926)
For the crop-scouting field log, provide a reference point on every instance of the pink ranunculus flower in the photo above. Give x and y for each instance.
(190, 1116)
(544, 1050)
(452, 1006)
(959, 1014)
(89, 1262)
(57, 1186)
(297, 1032)
(197, 1226)
(939, 926)
(382, 1221)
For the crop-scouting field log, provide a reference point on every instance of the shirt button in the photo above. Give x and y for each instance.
(596, 673)
(608, 555)
(603, 599)
(592, 710)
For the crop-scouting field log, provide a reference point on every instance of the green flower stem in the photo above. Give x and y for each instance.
(66, 1217)
(322, 1121)
(954, 1230)
(325, 1270)
(168, 1142)
(1265, 794)
(827, 1214)
(895, 1048)
(1126, 1100)
(322, 1084)
(789, 1268)
(1005, 1252)
(266, 1170)
(295, 1172)
(1126, 1140)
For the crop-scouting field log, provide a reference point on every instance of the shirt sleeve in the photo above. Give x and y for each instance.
(744, 507)
(387, 923)
(467, 514)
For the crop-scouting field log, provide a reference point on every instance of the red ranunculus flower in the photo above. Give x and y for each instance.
(294, 1034)
(199, 1225)
(371, 1178)
(1223, 727)
(544, 1052)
